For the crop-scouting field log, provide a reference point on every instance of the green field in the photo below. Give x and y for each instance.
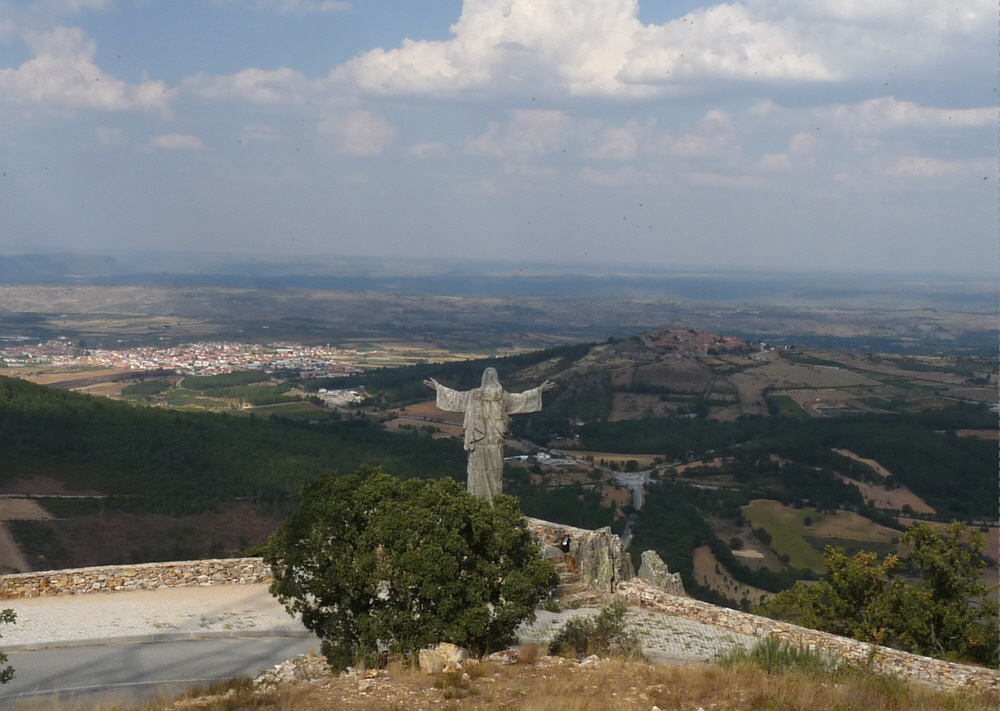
(785, 405)
(294, 407)
(786, 526)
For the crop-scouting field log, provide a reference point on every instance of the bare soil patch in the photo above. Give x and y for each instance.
(633, 406)
(980, 434)
(447, 430)
(708, 571)
(109, 390)
(52, 378)
(679, 374)
(992, 538)
(645, 461)
(784, 375)
(116, 538)
(622, 375)
(974, 394)
(849, 526)
(893, 499)
(42, 486)
(889, 499)
(429, 411)
(890, 368)
(620, 495)
(750, 388)
(715, 463)
(810, 400)
(22, 510)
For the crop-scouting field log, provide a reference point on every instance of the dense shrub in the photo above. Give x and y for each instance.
(373, 565)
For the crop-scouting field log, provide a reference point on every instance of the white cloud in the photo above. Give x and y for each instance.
(721, 180)
(895, 15)
(887, 113)
(586, 47)
(801, 152)
(258, 86)
(295, 7)
(926, 167)
(63, 75)
(622, 143)
(177, 142)
(713, 135)
(601, 48)
(259, 132)
(616, 178)
(74, 6)
(530, 134)
(360, 133)
(871, 118)
(428, 150)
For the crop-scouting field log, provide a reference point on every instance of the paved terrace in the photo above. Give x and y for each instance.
(249, 610)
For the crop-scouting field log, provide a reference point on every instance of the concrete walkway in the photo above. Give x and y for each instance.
(249, 610)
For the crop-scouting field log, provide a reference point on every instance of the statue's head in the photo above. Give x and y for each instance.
(491, 388)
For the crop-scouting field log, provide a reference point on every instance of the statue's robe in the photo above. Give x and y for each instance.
(487, 415)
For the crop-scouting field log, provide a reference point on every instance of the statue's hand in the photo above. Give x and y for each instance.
(431, 383)
(546, 386)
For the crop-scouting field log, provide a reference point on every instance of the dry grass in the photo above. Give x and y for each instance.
(556, 685)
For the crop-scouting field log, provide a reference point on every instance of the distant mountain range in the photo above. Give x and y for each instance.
(843, 290)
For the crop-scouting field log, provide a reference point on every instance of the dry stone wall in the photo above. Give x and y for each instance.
(602, 562)
(913, 667)
(148, 576)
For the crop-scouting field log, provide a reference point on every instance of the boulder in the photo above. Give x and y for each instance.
(655, 571)
(444, 657)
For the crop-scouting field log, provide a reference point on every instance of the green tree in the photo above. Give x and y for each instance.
(948, 613)
(7, 617)
(374, 564)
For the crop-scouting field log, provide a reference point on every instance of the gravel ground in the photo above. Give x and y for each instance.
(247, 610)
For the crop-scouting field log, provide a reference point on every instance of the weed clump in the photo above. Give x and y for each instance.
(773, 655)
(606, 634)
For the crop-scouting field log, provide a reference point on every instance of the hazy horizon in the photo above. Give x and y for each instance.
(756, 135)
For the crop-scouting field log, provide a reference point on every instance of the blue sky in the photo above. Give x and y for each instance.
(852, 135)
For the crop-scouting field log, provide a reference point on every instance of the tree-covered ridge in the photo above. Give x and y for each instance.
(405, 385)
(187, 462)
(955, 475)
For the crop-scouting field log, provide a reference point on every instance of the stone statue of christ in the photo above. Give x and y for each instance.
(487, 413)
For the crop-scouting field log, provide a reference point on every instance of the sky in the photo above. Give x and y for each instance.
(838, 135)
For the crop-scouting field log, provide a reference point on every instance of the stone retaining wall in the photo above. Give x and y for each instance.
(108, 578)
(945, 675)
(606, 567)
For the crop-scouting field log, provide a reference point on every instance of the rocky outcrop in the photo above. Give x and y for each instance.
(597, 557)
(654, 571)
